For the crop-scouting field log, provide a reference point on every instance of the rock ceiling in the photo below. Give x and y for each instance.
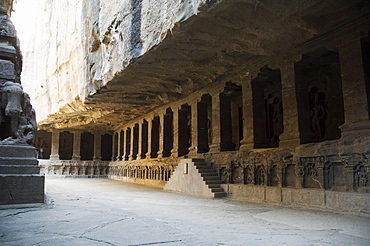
(228, 39)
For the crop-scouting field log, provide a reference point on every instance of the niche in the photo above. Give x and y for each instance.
(65, 145)
(106, 147)
(319, 96)
(267, 108)
(87, 146)
(204, 123)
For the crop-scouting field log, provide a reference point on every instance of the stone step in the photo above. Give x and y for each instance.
(215, 181)
(208, 178)
(219, 194)
(206, 170)
(217, 190)
(18, 161)
(16, 169)
(18, 151)
(211, 186)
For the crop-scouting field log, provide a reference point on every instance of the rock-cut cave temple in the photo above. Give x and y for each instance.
(267, 100)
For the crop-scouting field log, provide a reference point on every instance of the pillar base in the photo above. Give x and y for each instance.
(76, 158)
(288, 140)
(214, 148)
(246, 145)
(54, 157)
(355, 129)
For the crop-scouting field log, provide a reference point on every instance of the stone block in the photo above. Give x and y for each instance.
(20, 189)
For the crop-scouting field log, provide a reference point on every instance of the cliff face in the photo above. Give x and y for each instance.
(78, 46)
(102, 62)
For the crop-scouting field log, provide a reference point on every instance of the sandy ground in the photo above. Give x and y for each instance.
(108, 212)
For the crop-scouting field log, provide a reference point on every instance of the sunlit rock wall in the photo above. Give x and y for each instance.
(79, 45)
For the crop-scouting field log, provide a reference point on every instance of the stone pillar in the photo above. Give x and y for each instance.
(175, 149)
(97, 146)
(150, 125)
(131, 157)
(161, 136)
(119, 144)
(215, 147)
(194, 128)
(140, 143)
(247, 142)
(76, 156)
(291, 135)
(55, 145)
(354, 90)
(114, 143)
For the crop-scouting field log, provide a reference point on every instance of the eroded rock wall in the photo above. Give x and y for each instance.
(79, 45)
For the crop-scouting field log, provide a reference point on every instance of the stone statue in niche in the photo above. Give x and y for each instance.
(276, 120)
(318, 113)
(361, 177)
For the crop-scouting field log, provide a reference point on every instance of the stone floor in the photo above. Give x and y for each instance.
(107, 212)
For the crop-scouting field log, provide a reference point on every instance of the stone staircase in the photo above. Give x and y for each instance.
(195, 177)
(210, 177)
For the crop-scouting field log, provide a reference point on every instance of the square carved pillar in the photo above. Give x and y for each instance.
(247, 142)
(354, 90)
(290, 136)
(131, 157)
(215, 147)
(55, 135)
(194, 128)
(140, 143)
(175, 149)
(150, 126)
(161, 136)
(114, 144)
(119, 146)
(76, 146)
(97, 146)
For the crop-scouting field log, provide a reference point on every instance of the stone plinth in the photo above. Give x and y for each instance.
(20, 178)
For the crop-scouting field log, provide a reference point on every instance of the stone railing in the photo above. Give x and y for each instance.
(69, 168)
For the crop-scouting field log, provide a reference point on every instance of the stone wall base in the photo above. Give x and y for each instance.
(342, 202)
(147, 182)
(20, 189)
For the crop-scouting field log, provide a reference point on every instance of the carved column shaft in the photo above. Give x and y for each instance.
(150, 126)
(140, 139)
(97, 146)
(247, 141)
(194, 128)
(215, 124)
(290, 136)
(76, 145)
(175, 149)
(161, 136)
(55, 145)
(354, 88)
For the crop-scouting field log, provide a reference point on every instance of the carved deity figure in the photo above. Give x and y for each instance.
(276, 120)
(318, 115)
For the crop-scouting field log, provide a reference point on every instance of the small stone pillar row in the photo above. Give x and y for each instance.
(215, 147)
(247, 142)
(291, 135)
(194, 128)
(97, 146)
(354, 89)
(76, 156)
(175, 149)
(55, 135)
